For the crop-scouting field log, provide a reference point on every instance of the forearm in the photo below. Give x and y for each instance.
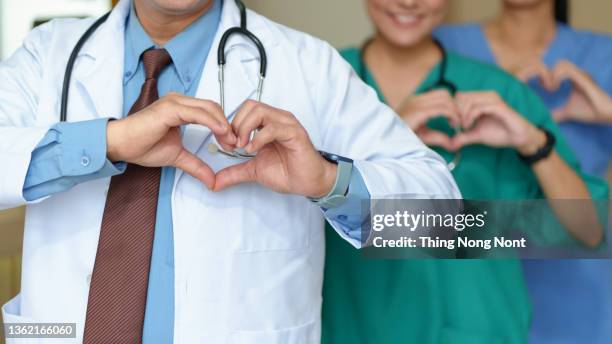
(69, 154)
(558, 180)
(569, 198)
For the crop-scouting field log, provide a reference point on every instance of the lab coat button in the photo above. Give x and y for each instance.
(88, 279)
(85, 161)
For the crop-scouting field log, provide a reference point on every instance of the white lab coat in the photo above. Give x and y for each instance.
(248, 261)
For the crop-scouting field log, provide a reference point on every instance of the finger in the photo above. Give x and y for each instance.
(243, 112)
(560, 115)
(532, 68)
(249, 122)
(465, 102)
(182, 114)
(580, 79)
(465, 138)
(565, 70)
(228, 140)
(473, 114)
(548, 80)
(196, 168)
(473, 105)
(436, 138)
(270, 133)
(260, 117)
(481, 110)
(439, 103)
(234, 175)
(419, 119)
(211, 107)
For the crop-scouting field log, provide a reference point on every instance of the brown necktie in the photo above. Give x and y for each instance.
(118, 291)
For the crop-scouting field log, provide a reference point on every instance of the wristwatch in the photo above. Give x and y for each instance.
(338, 193)
(543, 152)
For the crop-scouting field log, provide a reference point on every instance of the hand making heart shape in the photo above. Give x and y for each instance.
(417, 110)
(587, 103)
(286, 159)
(485, 118)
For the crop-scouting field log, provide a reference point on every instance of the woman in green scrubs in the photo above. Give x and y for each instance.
(448, 301)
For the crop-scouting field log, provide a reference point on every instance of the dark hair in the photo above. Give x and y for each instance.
(562, 8)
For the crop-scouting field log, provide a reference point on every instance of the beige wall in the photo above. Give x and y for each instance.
(341, 22)
(344, 22)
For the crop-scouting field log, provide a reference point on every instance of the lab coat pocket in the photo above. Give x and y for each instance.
(304, 334)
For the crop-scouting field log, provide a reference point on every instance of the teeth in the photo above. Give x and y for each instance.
(405, 19)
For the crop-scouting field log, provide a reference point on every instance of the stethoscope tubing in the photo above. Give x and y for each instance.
(70, 65)
(442, 82)
(221, 61)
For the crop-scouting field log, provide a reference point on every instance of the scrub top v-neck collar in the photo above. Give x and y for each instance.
(429, 81)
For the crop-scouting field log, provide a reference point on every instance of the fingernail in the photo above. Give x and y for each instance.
(249, 147)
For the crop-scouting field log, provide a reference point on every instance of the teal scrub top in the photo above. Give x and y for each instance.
(367, 301)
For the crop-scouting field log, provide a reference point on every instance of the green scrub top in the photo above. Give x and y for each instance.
(367, 301)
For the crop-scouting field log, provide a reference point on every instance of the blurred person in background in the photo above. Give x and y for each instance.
(571, 71)
(446, 301)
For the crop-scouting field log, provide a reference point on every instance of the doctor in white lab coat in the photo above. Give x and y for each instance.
(248, 244)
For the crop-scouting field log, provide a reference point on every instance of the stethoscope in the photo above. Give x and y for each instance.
(221, 60)
(442, 82)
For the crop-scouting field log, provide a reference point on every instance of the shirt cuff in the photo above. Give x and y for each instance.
(70, 153)
(349, 216)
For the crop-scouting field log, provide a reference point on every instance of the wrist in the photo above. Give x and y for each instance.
(543, 152)
(327, 181)
(112, 151)
(536, 140)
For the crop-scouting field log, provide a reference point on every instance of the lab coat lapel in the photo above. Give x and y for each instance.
(98, 71)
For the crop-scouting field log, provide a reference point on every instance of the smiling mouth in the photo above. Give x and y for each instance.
(405, 19)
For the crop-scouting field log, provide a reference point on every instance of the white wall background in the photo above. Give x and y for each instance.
(17, 17)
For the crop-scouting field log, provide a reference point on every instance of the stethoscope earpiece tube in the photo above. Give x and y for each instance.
(263, 67)
(70, 65)
(240, 30)
(85, 37)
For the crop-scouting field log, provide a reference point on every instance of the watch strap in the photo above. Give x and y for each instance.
(544, 152)
(338, 193)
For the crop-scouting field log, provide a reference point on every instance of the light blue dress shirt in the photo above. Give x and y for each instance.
(73, 153)
(574, 292)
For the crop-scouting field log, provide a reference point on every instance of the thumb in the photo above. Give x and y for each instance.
(233, 175)
(195, 167)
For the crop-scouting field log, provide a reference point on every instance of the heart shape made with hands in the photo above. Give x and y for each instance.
(286, 159)
(586, 101)
(480, 117)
